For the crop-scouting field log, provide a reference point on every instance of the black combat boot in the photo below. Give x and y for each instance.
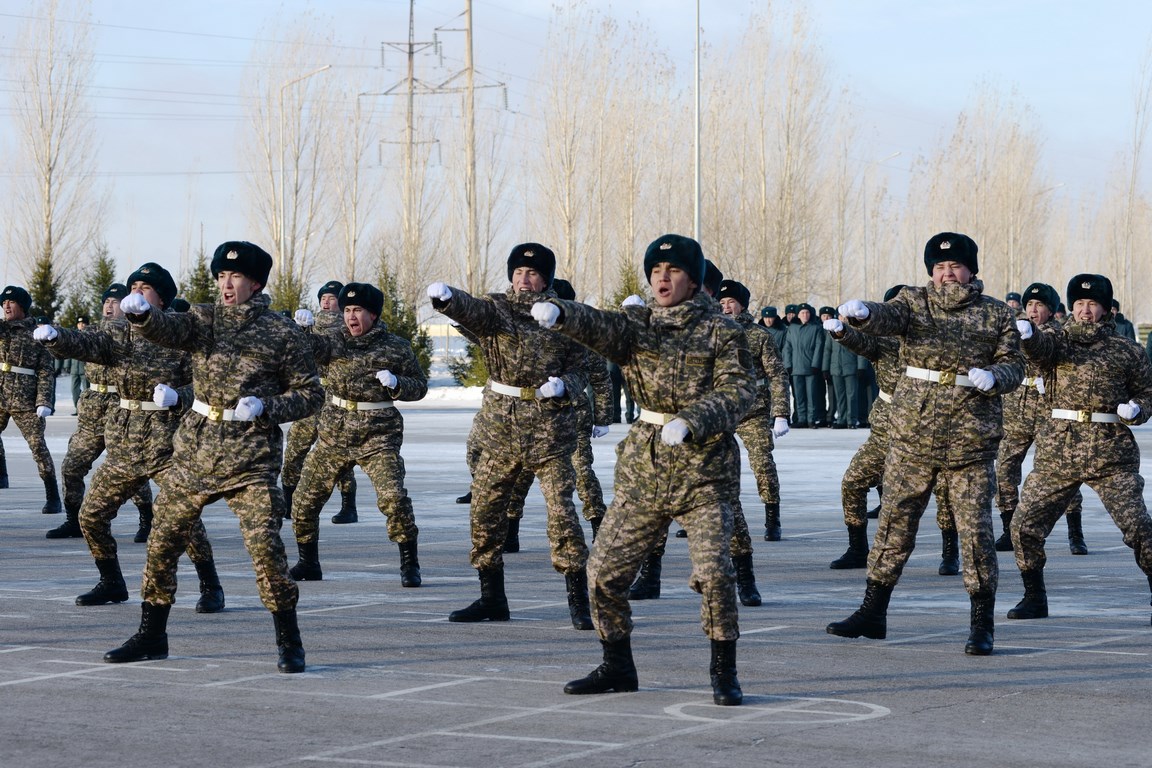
(949, 553)
(1076, 543)
(578, 607)
(512, 540)
(647, 584)
(1004, 543)
(746, 581)
(289, 491)
(409, 564)
(856, 556)
(870, 619)
(465, 499)
(492, 605)
(288, 641)
(983, 624)
(307, 568)
(70, 528)
(111, 587)
(595, 523)
(772, 522)
(149, 642)
(1035, 602)
(145, 528)
(725, 687)
(3, 472)
(616, 673)
(347, 513)
(52, 504)
(211, 593)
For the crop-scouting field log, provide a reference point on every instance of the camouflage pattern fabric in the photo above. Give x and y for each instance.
(21, 393)
(771, 402)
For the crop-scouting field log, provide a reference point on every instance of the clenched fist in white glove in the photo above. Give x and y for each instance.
(834, 325)
(674, 432)
(1025, 328)
(43, 411)
(134, 304)
(981, 379)
(854, 308)
(439, 292)
(632, 301)
(598, 431)
(164, 396)
(545, 313)
(386, 378)
(554, 387)
(248, 408)
(304, 318)
(1128, 410)
(780, 427)
(44, 333)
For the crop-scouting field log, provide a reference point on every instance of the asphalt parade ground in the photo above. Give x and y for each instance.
(391, 682)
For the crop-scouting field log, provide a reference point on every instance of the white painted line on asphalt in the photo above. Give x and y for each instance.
(744, 632)
(573, 742)
(422, 688)
(39, 678)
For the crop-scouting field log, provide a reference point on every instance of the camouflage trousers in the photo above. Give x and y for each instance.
(31, 427)
(741, 542)
(630, 531)
(1009, 462)
(756, 434)
(322, 468)
(865, 471)
(260, 509)
(301, 437)
(84, 447)
(968, 498)
(587, 485)
(495, 475)
(1047, 494)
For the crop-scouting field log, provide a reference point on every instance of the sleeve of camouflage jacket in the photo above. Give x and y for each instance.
(411, 383)
(777, 376)
(601, 384)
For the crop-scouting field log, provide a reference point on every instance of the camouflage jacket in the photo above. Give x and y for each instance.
(237, 351)
(601, 385)
(352, 363)
(771, 376)
(884, 354)
(1026, 410)
(1095, 369)
(22, 391)
(519, 353)
(326, 322)
(685, 361)
(951, 328)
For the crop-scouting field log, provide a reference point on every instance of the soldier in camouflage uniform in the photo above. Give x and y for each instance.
(962, 353)
(302, 433)
(87, 442)
(251, 371)
(1101, 388)
(527, 421)
(691, 372)
(367, 368)
(153, 389)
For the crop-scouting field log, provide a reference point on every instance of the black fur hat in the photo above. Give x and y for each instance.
(893, 291)
(679, 251)
(332, 286)
(159, 278)
(114, 291)
(17, 294)
(362, 295)
(564, 289)
(1095, 287)
(250, 260)
(180, 305)
(730, 289)
(538, 257)
(1041, 292)
(768, 311)
(951, 246)
(713, 277)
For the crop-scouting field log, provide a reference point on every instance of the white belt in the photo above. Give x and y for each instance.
(352, 405)
(884, 396)
(9, 368)
(1085, 416)
(945, 378)
(215, 413)
(524, 393)
(104, 389)
(141, 405)
(652, 417)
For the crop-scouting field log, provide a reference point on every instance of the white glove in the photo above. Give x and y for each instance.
(780, 427)
(304, 318)
(545, 313)
(632, 301)
(386, 378)
(981, 379)
(44, 333)
(674, 432)
(439, 291)
(1128, 410)
(1025, 328)
(248, 408)
(163, 395)
(600, 431)
(853, 308)
(134, 304)
(43, 411)
(1040, 384)
(554, 387)
(833, 324)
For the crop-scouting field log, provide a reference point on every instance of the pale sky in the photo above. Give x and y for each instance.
(167, 81)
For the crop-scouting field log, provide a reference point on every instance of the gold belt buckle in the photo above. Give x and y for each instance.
(527, 393)
(947, 378)
(349, 405)
(6, 367)
(215, 413)
(133, 405)
(1083, 416)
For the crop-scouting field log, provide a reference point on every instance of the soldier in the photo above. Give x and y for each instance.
(27, 389)
(251, 371)
(1102, 387)
(676, 461)
(1123, 326)
(87, 442)
(841, 364)
(526, 422)
(367, 368)
(962, 352)
(1014, 300)
(76, 369)
(771, 322)
(302, 433)
(150, 381)
(804, 355)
